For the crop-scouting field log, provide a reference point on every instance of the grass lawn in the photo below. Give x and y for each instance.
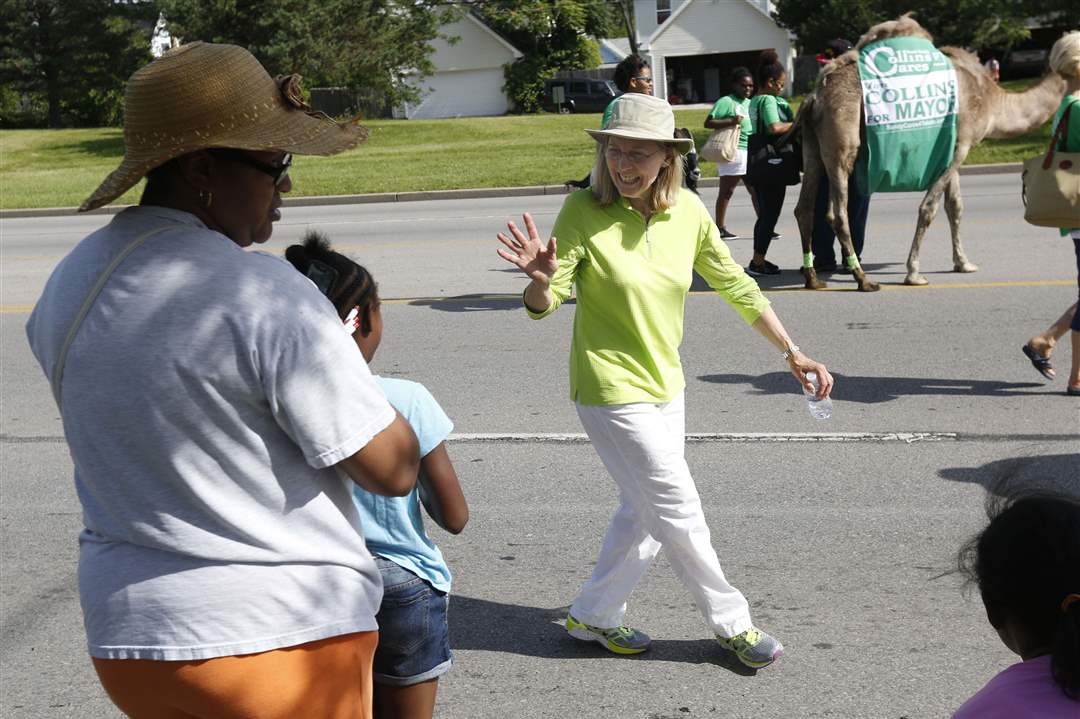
(60, 168)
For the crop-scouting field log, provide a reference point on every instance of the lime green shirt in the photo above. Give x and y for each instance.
(631, 281)
(726, 106)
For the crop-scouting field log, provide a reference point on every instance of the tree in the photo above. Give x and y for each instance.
(375, 45)
(974, 24)
(552, 35)
(73, 58)
(629, 20)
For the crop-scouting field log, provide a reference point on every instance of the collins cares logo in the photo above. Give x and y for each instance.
(885, 61)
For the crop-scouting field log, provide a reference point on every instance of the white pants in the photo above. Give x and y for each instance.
(642, 446)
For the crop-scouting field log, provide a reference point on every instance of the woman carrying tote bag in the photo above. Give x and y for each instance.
(1065, 61)
(731, 111)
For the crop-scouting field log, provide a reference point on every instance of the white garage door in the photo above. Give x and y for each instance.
(461, 93)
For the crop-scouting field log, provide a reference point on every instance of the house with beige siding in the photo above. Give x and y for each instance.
(468, 79)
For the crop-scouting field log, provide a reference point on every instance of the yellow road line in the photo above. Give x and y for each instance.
(25, 309)
(851, 287)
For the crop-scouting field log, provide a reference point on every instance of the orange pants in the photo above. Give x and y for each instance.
(329, 679)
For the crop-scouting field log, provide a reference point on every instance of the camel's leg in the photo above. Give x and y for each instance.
(928, 208)
(954, 210)
(838, 200)
(949, 183)
(838, 138)
(813, 174)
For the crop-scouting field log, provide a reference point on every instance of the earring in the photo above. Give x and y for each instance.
(206, 197)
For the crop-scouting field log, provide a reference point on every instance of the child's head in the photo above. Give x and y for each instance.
(347, 284)
(1026, 564)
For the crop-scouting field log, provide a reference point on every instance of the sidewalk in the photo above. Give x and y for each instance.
(529, 191)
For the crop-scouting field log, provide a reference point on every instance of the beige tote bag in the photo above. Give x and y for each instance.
(1051, 184)
(722, 145)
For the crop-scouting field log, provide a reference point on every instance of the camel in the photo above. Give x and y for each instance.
(833, 126)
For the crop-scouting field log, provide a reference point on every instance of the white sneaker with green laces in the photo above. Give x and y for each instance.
(620, 640)
(754, 648)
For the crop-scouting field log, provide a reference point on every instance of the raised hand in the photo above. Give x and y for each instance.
(528, 253)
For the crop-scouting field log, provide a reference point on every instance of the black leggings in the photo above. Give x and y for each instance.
(770, 202)
(1075, 326)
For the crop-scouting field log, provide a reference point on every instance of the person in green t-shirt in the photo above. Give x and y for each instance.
(729, 111)
(629, 247)
(632, 74)
(1065, 61)
(770, 116)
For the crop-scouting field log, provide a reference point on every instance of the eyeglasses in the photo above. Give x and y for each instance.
(642, 78)
(634, 158)
(277, 172)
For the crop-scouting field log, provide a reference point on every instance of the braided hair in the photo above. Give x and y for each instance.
(344, 282)
(1027, 562)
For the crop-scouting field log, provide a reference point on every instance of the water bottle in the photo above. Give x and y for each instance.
(819, 408)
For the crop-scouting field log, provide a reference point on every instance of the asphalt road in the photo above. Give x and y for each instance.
(841, 533)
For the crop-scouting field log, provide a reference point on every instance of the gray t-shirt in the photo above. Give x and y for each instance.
(206, 398)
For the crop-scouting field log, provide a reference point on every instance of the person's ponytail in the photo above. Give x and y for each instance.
(345, 283)
(769, 67)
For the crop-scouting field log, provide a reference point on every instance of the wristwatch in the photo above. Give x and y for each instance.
(792, 349)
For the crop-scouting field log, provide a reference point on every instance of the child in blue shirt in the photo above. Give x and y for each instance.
(416, 580)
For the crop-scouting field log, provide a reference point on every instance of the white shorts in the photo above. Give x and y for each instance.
(735, 167)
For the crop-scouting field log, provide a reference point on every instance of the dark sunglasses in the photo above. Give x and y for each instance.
(277, 172)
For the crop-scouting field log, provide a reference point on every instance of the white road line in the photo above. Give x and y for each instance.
(581, 438)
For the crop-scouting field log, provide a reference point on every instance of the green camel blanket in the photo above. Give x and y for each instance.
(911, 101)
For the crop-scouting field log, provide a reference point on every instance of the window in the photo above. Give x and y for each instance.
(663, 11)
(578, 87)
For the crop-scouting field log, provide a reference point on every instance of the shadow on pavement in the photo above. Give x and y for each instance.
(872, 390)
(792, 279)
(480, 624)
(473, 303)
(1005, 477)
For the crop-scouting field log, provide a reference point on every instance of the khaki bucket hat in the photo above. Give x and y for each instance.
(205, 95)
(637, 116)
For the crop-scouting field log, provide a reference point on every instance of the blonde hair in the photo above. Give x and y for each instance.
(663, 193)
(1065, 55)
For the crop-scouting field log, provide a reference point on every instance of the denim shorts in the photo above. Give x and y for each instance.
(414, 638)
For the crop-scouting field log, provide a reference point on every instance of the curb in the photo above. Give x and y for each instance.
(529, 191)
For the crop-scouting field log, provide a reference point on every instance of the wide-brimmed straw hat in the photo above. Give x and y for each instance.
(205, 95)
(637, 116)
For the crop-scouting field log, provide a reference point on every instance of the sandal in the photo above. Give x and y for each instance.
(1072, 391)
(1041, 364)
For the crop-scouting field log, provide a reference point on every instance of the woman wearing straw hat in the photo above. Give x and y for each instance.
(209, 398)
(629, 246)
